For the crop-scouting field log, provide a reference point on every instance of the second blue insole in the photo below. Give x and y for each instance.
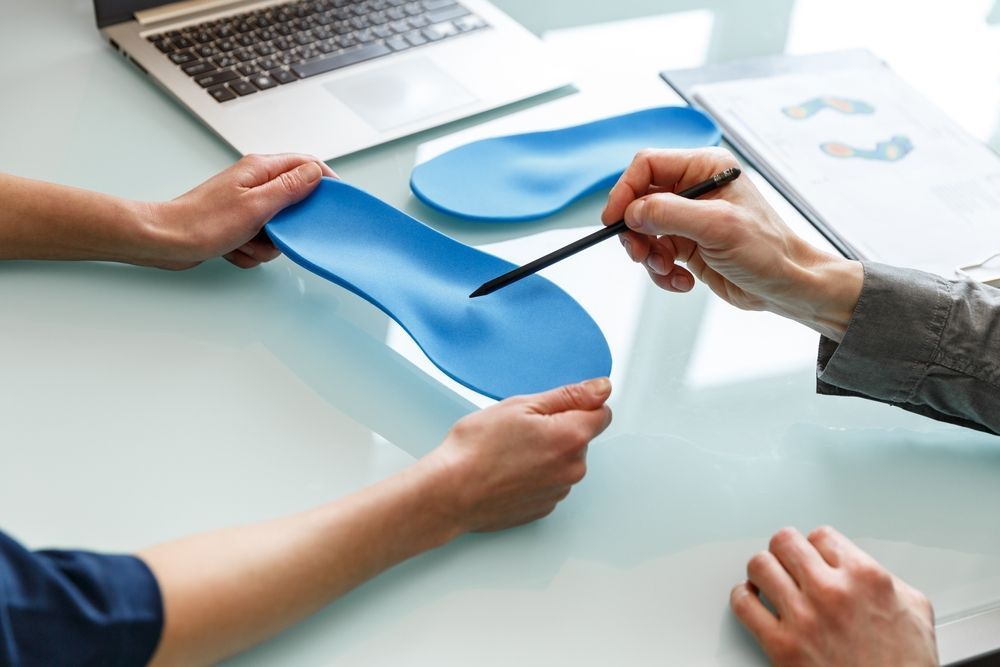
(525, 338)
(528, 176)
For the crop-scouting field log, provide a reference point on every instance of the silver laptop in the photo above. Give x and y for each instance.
(328, 77)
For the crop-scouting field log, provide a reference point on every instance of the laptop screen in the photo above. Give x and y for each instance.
(115, 11)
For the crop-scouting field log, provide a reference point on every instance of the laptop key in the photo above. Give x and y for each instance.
(397, 43)
(339, 60)
(268, 63)
(223, 62)
(221, 94)
(215, 78)
(182, 57)
(431, 34)
(247, 69)
(242, 88)
(472, 22)
(282, 76)
(415, 38)
(264, 82)
(446, 13)
(446, 29)
(198, 68)
(164, 46)
(437, 4)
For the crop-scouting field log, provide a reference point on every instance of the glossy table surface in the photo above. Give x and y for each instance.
(138, 405)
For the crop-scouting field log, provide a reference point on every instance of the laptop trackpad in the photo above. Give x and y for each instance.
(401, 93)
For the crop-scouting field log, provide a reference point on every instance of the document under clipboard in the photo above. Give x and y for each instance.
(881, 172)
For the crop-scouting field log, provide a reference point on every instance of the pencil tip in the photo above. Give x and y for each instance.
(479, 292)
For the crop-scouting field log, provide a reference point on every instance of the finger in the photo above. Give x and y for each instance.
(661, 256)
(831, 545)
(799, 558)
(663, 170)
(705, 221)
(241, 260)
(678, 280)
(766, 573)
(591, 422)
(286, 189)
(636, 245)
(260, 169)
(586, 396)
(752, 613)
(260, 249)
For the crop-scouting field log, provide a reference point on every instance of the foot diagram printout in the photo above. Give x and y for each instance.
(872, 160)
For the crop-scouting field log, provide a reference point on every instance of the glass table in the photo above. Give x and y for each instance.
(139, 405)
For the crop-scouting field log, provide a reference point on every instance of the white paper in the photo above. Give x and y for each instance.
(929, 199)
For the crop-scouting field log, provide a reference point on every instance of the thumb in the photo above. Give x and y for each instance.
(288, 187)
(589, 395)
(667, 213)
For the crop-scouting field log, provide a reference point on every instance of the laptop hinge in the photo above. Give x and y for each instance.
(175, 10)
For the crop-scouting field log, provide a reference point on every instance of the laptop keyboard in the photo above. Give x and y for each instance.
(243, 54)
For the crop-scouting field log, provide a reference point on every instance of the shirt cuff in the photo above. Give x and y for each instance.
(892, 338)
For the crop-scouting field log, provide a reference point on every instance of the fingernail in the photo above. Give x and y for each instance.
(598, 386)
(634, 217)
(628, 246)
(310, 172)
(681, 282)
(247, 250)
(656, 264)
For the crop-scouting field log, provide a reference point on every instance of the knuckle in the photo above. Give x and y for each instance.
(874, 577)
(758, 562)
(576, 472)
(782, 538)
(831, 594)
(289, 182)
(463, 428)
(645, 154)
(784, 649)
(739, 600)
(821, 533)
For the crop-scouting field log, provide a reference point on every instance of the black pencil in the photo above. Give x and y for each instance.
(520, 272)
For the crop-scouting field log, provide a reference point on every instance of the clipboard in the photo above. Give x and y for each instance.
(809, 181)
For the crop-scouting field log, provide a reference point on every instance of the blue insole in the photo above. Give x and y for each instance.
(528, 176)
(525, 338)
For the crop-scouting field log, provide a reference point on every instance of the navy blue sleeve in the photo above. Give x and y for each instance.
(76, 608)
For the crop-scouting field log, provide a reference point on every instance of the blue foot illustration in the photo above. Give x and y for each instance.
(888, 151)
(817, 104)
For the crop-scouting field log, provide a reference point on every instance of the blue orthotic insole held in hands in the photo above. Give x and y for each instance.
(528, 176)
(526, 338)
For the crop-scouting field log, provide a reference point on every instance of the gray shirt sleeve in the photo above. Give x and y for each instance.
(922, 343)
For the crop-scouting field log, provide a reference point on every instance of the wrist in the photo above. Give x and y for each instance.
(438, 490)
(828, 291)
(163, 244)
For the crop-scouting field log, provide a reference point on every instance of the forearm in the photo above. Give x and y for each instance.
(226, 591)
(922, 343)
(45, 221)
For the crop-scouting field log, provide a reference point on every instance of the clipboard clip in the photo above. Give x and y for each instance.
(986, 271)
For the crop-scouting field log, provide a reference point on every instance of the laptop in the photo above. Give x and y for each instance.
(328, 77)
